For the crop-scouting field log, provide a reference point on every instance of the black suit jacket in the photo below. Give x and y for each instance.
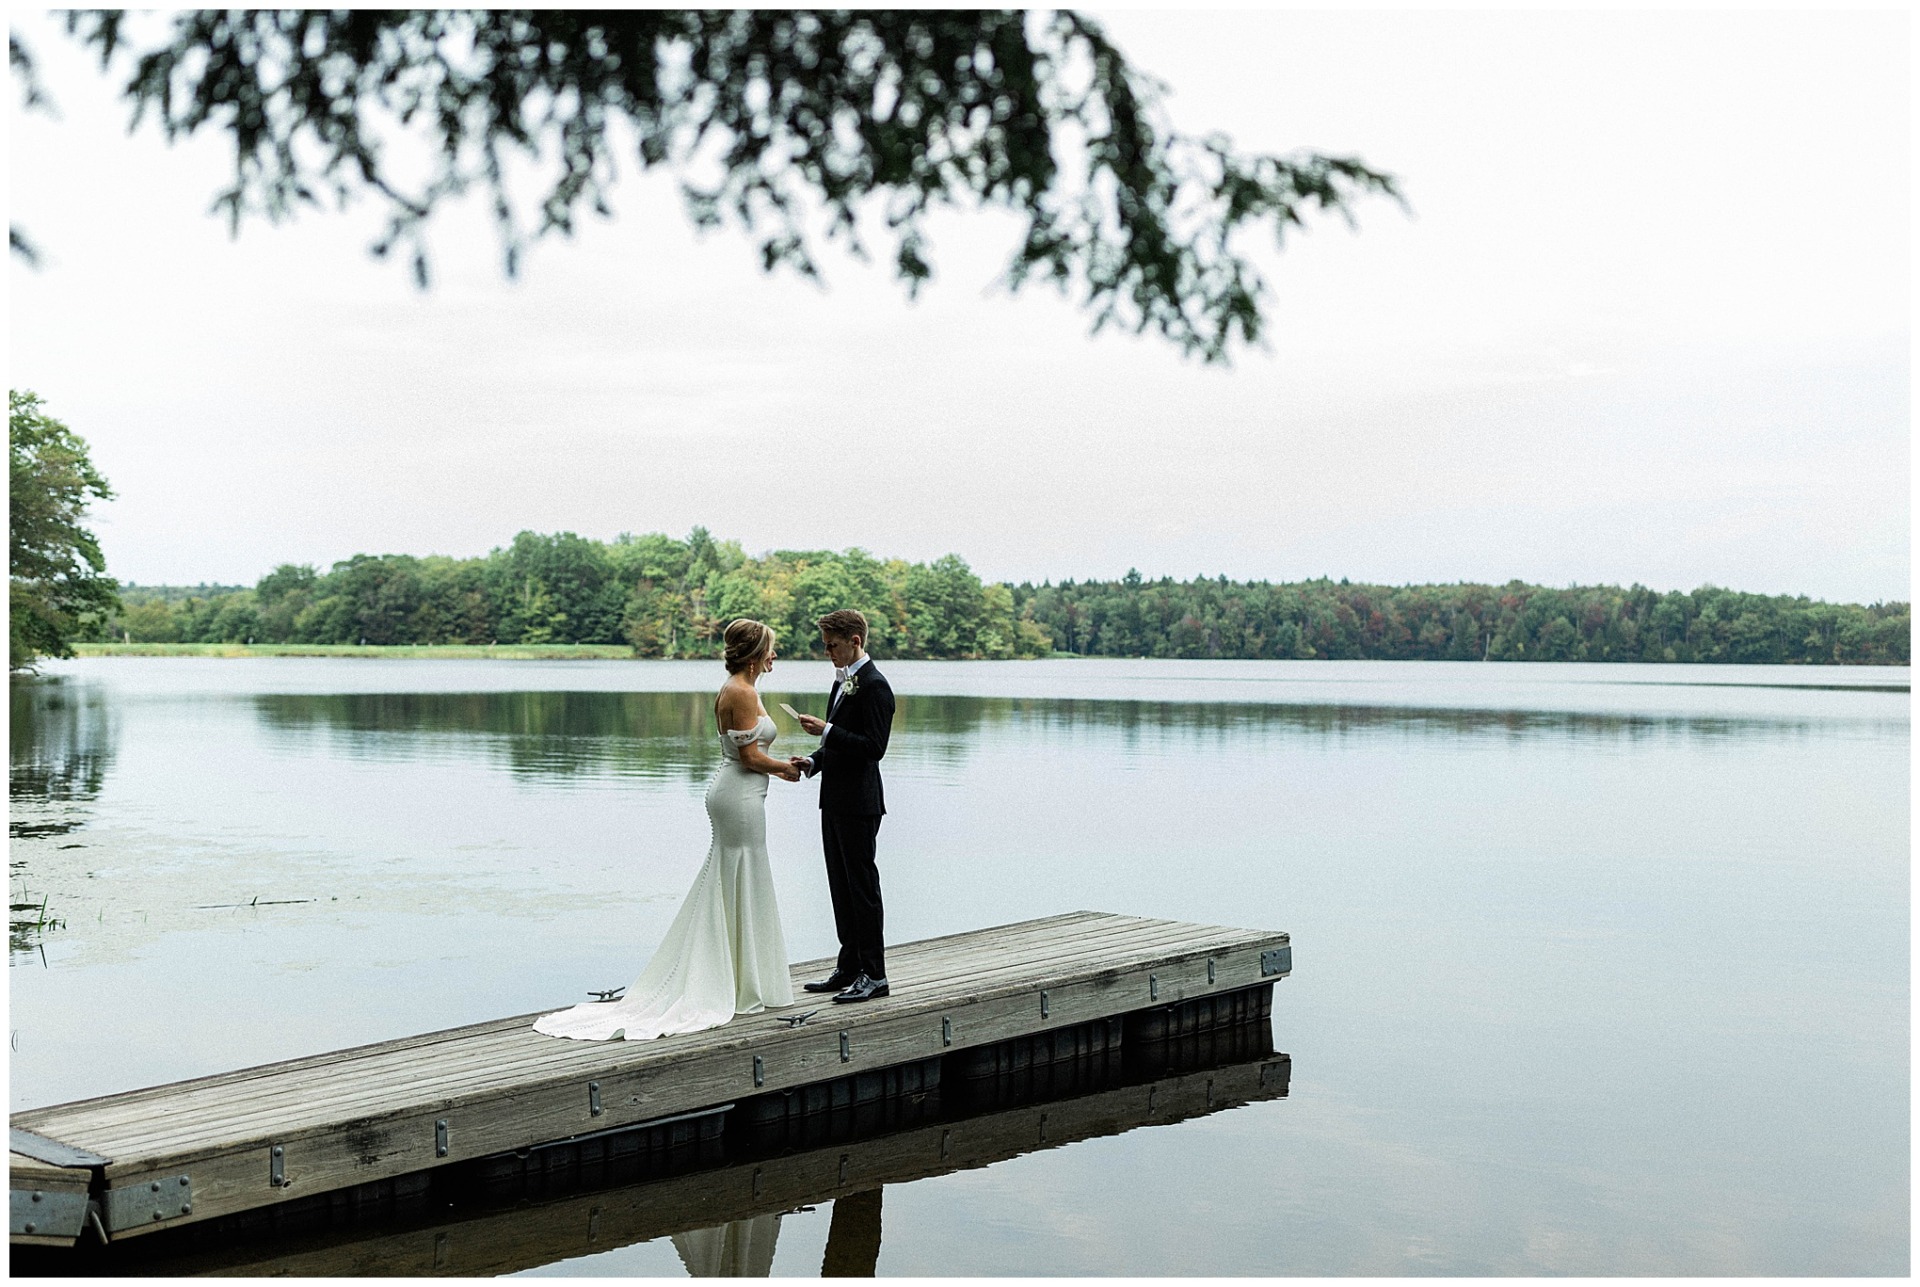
(848, 760)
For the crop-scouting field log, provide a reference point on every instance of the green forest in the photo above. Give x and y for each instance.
(668, 597)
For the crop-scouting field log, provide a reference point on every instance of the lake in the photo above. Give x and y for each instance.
(1598, 970)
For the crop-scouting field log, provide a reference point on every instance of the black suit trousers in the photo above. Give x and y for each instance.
(853, 880)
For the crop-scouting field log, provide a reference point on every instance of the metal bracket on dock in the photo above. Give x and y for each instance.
(141, 1204)
(593, 1102)
(1153, 987)
(846, 1049)
(1277, 961)
(440, 1138)
(946, 1032)
(759, 1071)
(277, 1167)
(47, 1213)
(1209, 969)
(1043, 1005)
(51, 1151)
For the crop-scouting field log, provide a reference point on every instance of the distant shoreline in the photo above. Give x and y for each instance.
(425, 652)
(672, 598)
(622, 652)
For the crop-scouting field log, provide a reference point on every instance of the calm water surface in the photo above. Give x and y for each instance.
(1597, 969)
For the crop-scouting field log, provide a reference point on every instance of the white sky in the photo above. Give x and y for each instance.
(1649, 321)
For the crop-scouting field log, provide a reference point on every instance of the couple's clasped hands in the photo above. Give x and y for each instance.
(813, 725)
(790, 769)
(798, 766)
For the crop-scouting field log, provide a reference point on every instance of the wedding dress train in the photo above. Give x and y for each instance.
(725, 953)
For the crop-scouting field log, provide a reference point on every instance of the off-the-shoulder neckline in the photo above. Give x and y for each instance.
(764, 717)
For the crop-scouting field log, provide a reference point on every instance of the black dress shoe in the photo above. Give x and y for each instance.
(863, 989)
(833, 982)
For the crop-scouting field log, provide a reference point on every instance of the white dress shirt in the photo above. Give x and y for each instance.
(841, 679)
(852, 670)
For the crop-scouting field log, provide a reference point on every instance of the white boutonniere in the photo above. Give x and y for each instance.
(849, 686)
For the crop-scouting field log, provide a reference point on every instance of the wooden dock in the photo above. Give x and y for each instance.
(169, 1156)
(521, 1235)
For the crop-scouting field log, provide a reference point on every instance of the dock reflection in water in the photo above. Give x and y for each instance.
(719, 1192)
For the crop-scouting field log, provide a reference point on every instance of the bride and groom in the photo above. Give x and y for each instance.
(725, 953)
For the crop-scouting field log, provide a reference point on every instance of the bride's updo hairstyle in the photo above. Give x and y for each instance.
(747, 642)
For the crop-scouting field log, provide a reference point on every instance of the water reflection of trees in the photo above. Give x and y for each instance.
(670, 736)
(945, 729)
(61, 741)
(965, 715)
(542, 734)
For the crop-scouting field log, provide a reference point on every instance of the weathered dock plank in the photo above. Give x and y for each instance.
(506, 1052)
(496, 1059)
(259, 1136)
(935, 962)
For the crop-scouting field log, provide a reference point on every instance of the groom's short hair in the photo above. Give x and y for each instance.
(847, 623)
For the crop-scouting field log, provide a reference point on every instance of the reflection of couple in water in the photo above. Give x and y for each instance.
(744, 1248)
(725, 953)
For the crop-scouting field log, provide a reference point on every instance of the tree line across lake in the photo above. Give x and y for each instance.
(666, 597)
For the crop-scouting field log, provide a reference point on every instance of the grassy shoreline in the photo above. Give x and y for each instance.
(499, 652)
(531, 652)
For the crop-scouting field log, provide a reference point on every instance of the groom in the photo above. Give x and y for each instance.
(853, 738)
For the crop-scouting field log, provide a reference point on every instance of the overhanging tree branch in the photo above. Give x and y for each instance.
(766, 117)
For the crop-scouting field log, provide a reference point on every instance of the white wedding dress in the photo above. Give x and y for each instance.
(724, 954)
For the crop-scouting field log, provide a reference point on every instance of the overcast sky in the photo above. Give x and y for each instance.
(1647, 321)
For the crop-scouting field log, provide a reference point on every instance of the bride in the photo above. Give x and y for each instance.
(724, 954)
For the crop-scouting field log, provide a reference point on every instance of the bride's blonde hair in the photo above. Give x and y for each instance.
(747, 641)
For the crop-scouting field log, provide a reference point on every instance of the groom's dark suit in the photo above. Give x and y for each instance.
(852, 803)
